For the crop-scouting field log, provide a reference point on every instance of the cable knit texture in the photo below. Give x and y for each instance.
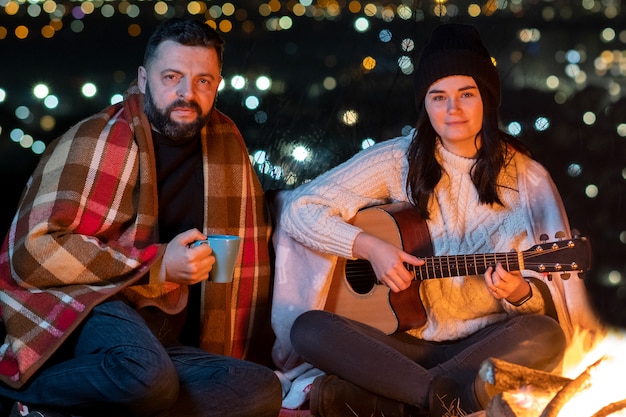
(460, 224)
(374, 178)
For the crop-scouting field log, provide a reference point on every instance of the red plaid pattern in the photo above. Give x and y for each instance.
(86, 228)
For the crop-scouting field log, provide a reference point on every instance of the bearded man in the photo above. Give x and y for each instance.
(105, 304)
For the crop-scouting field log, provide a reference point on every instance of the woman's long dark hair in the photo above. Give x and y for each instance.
(493, 155)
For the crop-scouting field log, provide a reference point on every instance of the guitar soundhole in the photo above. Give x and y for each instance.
(360, 276)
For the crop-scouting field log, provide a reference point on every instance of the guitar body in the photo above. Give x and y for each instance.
(354, 291)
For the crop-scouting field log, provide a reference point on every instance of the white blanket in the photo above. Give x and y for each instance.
(300, 284)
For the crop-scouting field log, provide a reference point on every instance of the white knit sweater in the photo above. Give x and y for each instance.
(317, 217)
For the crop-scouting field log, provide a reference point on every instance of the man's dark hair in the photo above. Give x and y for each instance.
(187, 32)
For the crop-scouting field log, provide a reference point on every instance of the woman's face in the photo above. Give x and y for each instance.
(455, 109)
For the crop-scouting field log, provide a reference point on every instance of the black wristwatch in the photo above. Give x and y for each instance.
(523, 299)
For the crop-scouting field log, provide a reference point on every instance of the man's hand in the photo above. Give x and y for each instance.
(188, 265)
(387, 261)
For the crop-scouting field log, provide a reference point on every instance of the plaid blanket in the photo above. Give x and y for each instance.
(86, 228)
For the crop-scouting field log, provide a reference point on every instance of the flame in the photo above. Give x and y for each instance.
(606, 378)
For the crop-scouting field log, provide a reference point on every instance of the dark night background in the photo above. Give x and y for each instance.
(581, 141)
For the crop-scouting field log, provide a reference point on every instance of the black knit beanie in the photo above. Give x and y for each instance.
(456, 49)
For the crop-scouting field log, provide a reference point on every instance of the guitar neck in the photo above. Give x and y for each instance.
(460, 265)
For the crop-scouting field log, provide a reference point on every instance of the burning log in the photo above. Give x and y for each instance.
(518, 391)
(503, 376)
(610, 409)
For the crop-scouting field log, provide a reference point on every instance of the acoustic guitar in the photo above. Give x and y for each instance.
(355, 292)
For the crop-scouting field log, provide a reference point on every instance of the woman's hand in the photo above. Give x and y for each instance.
(503, 284)
(387, 260)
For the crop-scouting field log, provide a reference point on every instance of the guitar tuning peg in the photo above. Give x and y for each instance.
(575, 233)
(565, 276)
(559, 235)
(544, 237)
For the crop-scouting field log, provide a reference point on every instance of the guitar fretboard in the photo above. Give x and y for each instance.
(460, 265)
(361, 276)
(559, 256)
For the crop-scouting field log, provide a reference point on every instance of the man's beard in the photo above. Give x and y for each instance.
(162, 120)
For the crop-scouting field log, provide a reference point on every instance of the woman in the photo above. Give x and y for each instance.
(480, 192)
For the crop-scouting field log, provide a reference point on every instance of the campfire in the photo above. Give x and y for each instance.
(591, 386)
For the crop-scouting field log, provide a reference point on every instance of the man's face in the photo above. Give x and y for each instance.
(180, 86)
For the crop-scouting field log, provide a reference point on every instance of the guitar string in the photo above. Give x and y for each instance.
(435, 266)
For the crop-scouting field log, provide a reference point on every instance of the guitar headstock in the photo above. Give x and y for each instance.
(562, 255)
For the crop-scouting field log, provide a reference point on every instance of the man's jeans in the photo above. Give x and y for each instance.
(116, 366)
